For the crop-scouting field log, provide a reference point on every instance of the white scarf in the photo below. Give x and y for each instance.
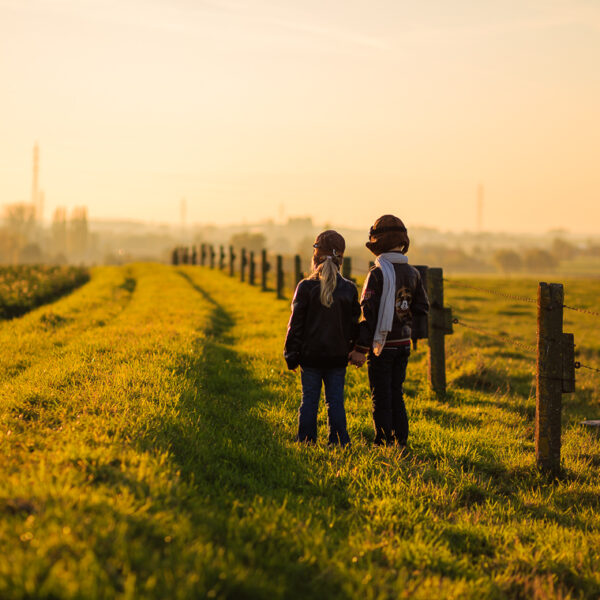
(387, 307)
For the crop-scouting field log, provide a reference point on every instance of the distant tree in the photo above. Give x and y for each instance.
(536, 259)
(452, 258)
(281, 245)
(305, 245)
(20, 219)
(31, 254)
(251, 241)
(78, 231)
(564, 250)
(59, 230)
(59, 259)
(10, 244)
(592, 249)
(300, 223)
(508, 261)
(18, 231)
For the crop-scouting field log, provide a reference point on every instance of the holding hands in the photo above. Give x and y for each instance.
(357, 358)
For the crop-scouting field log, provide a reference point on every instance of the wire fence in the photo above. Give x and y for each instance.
(493, 292)
(586, 311)
(578, 365)
(288, 272)
(555, 367)
(501, 338)
(506, 339)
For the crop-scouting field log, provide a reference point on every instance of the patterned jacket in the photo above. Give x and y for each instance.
(411, 300)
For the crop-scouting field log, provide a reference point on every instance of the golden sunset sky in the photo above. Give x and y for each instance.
(342, 110)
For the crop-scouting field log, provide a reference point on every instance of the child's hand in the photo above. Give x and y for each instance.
(357, 358)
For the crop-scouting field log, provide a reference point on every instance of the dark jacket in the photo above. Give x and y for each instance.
(411, 301)
(318, 336)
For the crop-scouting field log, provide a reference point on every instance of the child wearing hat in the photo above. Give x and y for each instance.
(321, 332)
(392, 294)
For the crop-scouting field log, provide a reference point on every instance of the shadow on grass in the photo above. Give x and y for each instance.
(253, 495)
(488, 379)
(449, 420)
(244, 476)
(498, 482)
(521, 405)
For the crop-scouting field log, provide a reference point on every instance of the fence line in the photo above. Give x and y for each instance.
(523, 299)
(578, 365)
(519, 298)
(200, 254)
(504, 339)
(493, 292)
(555, 367)
(582, 310)
(555, 350)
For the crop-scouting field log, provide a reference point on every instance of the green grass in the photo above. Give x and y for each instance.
(147, 452)
(581, 266)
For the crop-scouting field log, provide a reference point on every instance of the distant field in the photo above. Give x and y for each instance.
(146, 451)
(581, 266)
(23, 288)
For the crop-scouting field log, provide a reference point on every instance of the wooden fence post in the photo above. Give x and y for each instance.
(347, 267)
(243, 263)
(298, 275)
(194, 254)
(175, 257)
(555, 375)
(221, 257)
(202, 254)
(279, 276)
(437, 327)
(252, 269)
(186, 256)
(231, 261)
(265, 268)
(211, 254)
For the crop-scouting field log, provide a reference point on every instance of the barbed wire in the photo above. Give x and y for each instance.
(578, 365)
(505, 339)
(518, 343)
(493, 292)
(519, 298)
(582, 310)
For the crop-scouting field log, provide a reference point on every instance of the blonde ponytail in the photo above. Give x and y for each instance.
(326, 272)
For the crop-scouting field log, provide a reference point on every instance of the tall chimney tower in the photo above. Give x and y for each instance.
(480, 208)
(35, 190)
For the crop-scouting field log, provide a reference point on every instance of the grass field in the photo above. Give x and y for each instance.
(147, 452)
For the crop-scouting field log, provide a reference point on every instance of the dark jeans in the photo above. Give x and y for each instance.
(334, 398)
(386, 378)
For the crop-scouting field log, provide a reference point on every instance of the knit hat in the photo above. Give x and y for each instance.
(329, 243)
(388, 232)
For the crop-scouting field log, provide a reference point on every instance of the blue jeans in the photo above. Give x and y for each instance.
(386, 378)
(334, 399)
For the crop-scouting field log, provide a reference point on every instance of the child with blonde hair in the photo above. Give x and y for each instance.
(321, 332)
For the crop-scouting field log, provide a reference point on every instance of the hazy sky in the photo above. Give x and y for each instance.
(343, 109)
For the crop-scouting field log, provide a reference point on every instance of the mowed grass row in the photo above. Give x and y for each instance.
(150, 453)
